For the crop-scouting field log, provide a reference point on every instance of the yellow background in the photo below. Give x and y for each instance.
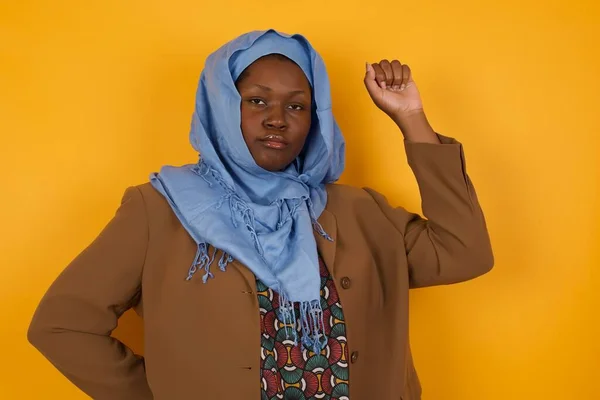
(94, 95)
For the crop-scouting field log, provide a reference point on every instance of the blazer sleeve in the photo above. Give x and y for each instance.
(451, 244)
(74, 320)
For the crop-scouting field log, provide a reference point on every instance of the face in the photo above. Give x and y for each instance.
(276, 111)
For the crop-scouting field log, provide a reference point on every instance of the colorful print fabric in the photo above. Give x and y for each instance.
(292, 372)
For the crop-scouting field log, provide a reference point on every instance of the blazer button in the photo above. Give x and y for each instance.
(354, 357)
(346, 282)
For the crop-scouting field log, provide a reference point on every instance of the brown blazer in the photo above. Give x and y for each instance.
(202, 341)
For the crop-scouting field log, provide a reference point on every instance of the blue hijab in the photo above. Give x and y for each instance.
(263, 219)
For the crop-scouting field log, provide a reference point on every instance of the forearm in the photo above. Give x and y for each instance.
(453, 242)
(74, 320)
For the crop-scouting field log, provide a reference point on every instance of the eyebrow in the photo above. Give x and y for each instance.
(268, 89)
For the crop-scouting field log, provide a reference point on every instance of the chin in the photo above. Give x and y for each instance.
(273, 165)
(273, 168)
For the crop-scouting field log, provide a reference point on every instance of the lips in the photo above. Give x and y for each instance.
(276, 142)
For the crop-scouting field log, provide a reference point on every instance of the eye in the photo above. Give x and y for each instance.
(257, 102)
(296, 107)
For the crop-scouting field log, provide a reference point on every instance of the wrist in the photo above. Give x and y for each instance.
(415, 127)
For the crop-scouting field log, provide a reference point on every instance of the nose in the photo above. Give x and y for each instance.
(275, 119)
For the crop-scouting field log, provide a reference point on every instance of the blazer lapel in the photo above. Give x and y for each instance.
(325, 247)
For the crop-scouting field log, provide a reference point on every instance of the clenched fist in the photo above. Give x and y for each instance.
(393, 90)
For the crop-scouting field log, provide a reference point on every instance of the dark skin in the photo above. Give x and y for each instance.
(275, 110)
(277, 102)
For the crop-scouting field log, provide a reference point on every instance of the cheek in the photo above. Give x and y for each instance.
(303, 129)
(250, 126)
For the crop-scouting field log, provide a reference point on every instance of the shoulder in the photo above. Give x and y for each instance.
(350, 198)
(155, 205)
(337, 190)
(152, 198)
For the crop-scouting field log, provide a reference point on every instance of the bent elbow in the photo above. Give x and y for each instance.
(38, 335)
(41, 333)
(483, 267)
(479, 261)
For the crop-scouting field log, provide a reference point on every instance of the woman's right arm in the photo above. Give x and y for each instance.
(73, 323)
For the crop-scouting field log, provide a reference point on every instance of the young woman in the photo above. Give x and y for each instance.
(256, 275)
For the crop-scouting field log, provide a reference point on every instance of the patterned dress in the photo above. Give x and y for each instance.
(292, 372)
